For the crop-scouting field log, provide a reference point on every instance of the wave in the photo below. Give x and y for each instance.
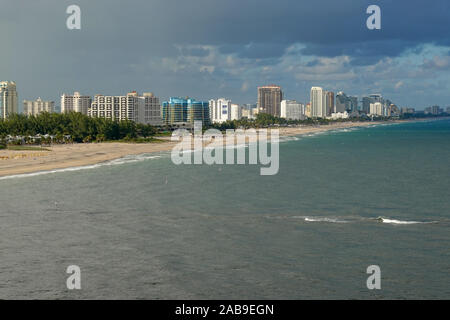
(314, 134)
(355, 219)
(119, 161)
(320, 219)
(394, 221)
(289, 138)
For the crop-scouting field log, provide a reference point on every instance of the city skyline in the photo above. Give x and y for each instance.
(356, 102)
(406, 60)
(147, 109)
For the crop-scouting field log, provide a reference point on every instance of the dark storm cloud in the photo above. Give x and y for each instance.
(264, 28)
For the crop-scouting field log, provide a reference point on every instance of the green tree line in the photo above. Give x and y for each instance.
(79, 127)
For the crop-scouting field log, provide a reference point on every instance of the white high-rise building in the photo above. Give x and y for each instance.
(33, 108)
(8, 99)
(376, 109)
(144, 109)
(318, 102)
(76, 103)
(236, 112)
(292, 110)
(220, 110)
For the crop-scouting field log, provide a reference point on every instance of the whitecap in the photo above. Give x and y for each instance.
(395, 221)
(320, 219)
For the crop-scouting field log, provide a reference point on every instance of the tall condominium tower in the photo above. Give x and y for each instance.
(330, 103)
(76, 103)
(8, 99)
(33, 108)
(220, 110)
(269, 99)
(318, 103)
(141, 109)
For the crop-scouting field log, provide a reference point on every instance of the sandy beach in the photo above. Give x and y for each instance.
(74, 155)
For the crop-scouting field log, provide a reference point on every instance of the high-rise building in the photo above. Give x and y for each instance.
(353, 103)
(141, 109)
(448, 110)
(292, 110)
(75, 103)
(151, 108)
(342, 103)
(38, 106)
(392, 111)
(366, 101)
(8, 99)
(308, 110)
(330, 103)
(377, 109)
(318, 103)
(181, 111)
(435, 110)
(236, 112)
(115, 107)
(246, 110)
(269, 99)
(220, 110)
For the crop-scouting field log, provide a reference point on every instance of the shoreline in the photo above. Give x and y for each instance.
(66, 156)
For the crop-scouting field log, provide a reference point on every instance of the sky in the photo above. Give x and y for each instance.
(210, 49)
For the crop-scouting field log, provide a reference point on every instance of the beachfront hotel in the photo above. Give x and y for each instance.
(38, 106)
(144, 109)
(179, 111)
(8, 99)
(75, 103)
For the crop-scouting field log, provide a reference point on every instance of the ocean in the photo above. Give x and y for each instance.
(143, 228)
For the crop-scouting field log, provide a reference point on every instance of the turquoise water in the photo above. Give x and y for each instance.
(141, 227)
